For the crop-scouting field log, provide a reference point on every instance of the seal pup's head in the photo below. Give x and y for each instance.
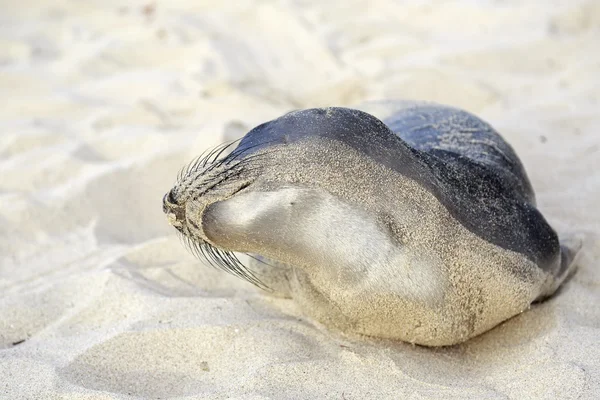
(208, 179)
(312, 188)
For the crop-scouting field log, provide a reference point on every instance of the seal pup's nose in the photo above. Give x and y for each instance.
(175, 212)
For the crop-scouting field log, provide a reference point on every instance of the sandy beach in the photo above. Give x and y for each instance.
(104, 102)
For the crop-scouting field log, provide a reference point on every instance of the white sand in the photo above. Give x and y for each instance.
(103, 103)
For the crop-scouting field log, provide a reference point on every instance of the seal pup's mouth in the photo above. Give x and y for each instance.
(208, 179)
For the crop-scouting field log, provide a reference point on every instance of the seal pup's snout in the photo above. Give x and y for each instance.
(206, 181)
(175, 212)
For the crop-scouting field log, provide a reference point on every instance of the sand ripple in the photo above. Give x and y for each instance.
(105, 101)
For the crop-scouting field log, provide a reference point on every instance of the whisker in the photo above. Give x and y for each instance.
(259, 260)
(208, 156)
(225, 147)
(237, 153)
(213, 168)
(216, 150)
(222, 259)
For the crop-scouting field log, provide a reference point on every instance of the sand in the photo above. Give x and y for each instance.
(103, 103)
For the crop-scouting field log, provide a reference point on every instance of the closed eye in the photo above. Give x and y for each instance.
(244, 186)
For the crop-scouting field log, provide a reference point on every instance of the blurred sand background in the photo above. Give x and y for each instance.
(103, 102)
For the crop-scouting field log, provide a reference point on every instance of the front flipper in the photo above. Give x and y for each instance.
(570, 250)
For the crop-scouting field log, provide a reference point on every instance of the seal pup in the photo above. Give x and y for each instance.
(421, 227)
